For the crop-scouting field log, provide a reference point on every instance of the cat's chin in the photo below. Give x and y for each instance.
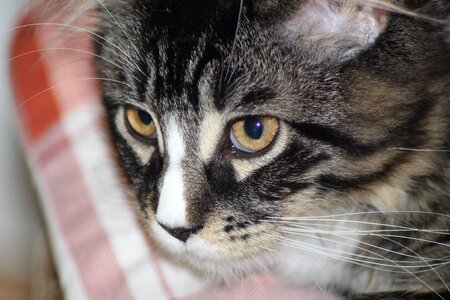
(205, 258)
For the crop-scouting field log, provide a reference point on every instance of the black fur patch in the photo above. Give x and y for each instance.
(337, 139)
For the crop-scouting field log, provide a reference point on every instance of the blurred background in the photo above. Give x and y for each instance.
(19, 223)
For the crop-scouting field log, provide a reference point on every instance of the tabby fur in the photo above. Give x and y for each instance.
(353, 195)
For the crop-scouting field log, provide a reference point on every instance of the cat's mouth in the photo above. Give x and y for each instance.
(218, 259)
(202, 247)
(194, 247)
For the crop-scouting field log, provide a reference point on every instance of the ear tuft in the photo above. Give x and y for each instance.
(336, 29)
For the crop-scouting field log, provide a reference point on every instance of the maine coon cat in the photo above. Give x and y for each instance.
(307, 138)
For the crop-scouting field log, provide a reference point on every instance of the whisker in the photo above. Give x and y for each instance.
(379, 255)
(357, 247)
(345, 230)
(121, 28)
(366, 260)
(364, 264)
(263, 267)
(367, 213)
(233, 47)
(414, 239)
(68, 82)
(300, 232)
(68, 49)
(420, 150)
(316, 249)
(432, 268)
(297, 230)
(359, 222)
(388, 5)
(81, 29)
(375, 232)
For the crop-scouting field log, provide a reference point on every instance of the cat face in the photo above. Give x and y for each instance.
(221, 156)
(228, 115)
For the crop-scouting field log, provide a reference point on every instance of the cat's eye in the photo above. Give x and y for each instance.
(253, 134)
(141, 123)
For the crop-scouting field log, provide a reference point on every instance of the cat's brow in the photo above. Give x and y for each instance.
(137, 104)
(256, 97)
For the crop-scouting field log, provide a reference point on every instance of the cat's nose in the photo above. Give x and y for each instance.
(182, 233)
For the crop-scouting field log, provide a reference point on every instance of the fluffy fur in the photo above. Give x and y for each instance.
(353, 194)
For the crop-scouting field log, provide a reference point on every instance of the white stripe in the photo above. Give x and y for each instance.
(112, 206)
(172, 205)
(182, 281)
(66, 267)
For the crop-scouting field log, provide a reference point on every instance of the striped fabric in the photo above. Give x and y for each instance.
(100, 246)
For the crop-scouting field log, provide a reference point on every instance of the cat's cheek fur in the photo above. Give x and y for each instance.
(318, 266)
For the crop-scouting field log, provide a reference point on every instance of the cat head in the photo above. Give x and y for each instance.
(230, 114)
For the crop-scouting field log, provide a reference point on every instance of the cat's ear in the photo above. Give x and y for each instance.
(336, 29)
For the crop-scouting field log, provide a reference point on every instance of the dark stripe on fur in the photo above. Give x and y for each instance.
(257, 97)
(402, 295)
(336, 138)
(210, 54)
(289, 178)
(158, 84)
(332, 181)
(142, 75)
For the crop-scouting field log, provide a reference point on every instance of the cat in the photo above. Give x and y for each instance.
(305, 138)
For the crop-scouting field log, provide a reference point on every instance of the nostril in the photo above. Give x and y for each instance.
(182, 233)
(196, 229)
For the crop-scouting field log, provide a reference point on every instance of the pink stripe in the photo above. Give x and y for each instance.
(161, 276)
(69, 64)
(87, 241)
(261, 288)
(72, 204)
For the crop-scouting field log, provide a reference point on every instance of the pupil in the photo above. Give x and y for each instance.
(254, 128)
(146, 119)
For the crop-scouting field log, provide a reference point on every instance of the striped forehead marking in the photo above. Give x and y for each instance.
(211, 130)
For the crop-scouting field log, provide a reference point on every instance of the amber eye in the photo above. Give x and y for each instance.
(253, 134)
(141, 123)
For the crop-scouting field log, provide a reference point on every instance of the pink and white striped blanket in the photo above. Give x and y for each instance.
(100, 248)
